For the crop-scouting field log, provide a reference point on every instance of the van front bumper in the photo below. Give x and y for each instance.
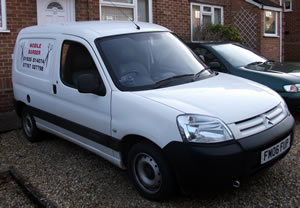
(224, 163)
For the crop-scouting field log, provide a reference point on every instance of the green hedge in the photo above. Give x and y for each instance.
(219, 32)
(228, 32)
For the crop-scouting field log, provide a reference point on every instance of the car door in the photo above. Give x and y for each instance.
(84, 118)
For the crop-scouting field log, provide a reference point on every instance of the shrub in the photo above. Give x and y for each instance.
(219, 33)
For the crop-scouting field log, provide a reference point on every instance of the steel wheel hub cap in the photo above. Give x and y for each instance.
(147, 173)
(28, 125)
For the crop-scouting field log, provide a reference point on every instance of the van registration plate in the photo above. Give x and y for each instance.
(275, 150)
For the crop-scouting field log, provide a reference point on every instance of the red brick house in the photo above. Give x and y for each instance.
(262, 23)
(292, 30)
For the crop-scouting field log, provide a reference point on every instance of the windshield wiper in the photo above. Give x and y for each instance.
(197, 75)
(255, 63)
(170, 79)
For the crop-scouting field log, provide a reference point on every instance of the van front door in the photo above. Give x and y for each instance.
(83, 117)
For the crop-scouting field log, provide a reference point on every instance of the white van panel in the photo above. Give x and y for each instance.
(33, 65)
(135, 115)
(103, 151)
(34, 56)
(39, 98)
(85, 109)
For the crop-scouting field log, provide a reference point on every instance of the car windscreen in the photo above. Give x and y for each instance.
(142, 61)
(238, 56)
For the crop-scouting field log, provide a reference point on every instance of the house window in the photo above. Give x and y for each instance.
(2, 15)
(288, 5)
(54, 5)
(270, 23)
(204, 15)
(137, 10)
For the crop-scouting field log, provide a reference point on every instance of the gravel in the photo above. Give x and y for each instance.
(70, 176)
(11, 195)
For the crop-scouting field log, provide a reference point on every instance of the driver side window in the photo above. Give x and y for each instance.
(75, 61)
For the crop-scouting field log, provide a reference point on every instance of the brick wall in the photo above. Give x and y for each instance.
(87, 10)
(270, 46)
(292, 33)
(20, 14)
(174, 15)
(6, 97)
(228, 9)
(267, 46)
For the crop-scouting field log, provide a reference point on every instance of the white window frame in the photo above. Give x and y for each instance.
(291, 6)
(3, 27)
(276, 24)
(132, 5)
(212, 13)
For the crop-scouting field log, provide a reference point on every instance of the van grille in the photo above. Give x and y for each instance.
(262, 122)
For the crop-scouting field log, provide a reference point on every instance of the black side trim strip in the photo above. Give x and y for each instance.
(83, 131)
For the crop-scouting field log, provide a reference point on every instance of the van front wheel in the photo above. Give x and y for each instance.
(150, 172)
(31, 132)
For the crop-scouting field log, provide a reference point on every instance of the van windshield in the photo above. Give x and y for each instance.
(149, 60)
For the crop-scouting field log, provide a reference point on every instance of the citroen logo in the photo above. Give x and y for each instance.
(267, 121)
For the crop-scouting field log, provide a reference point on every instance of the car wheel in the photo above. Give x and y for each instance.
(31, 132)
(150, 172)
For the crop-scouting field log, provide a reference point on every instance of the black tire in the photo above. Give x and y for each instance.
(31, 132)
(150, 172)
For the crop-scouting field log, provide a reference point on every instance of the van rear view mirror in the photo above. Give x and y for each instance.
(89, 83)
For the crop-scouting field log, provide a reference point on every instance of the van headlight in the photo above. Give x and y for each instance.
(285, 107)
(203, 129)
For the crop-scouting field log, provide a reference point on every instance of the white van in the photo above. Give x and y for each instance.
(137, 96)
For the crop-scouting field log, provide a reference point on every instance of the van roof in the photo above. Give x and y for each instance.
(94, 29)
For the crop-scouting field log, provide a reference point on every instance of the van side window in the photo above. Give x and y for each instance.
(75, 61)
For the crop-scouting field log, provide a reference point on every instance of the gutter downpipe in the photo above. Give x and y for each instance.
(281, 32)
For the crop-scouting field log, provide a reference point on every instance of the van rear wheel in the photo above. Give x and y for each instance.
(31, 132)
(150, 172)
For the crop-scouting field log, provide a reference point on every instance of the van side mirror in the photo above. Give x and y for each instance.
(89, 83)
(214, 65)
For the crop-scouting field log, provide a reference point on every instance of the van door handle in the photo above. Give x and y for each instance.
(54, 88)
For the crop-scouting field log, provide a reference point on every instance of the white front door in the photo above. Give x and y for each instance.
(55, 11)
